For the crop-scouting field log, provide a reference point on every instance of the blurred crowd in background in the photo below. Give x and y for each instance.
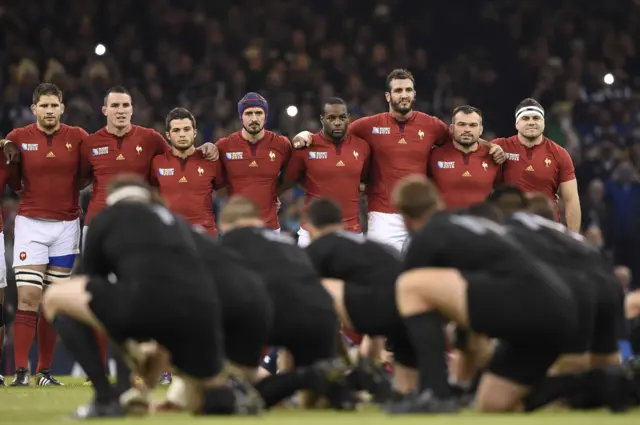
(580, 60)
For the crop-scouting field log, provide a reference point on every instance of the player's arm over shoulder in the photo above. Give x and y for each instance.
(362, 127)
(158, 142)
(439, 129)
(16, 135)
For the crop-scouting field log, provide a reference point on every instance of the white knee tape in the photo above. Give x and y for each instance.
(26, 277)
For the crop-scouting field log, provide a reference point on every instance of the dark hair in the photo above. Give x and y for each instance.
(467, 110)
(486, 210)
(46, 89)
(528, 102)
(508, 198)
(179, 114)
(239, 208)
(323, 212)
(399, 74)
(416, 196)
(130, 179)
(539, 204)
(334, 101)
(117, 89)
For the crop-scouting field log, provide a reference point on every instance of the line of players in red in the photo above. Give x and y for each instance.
(49, 162)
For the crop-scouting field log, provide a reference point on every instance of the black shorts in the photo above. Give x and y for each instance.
(523, 364)
(584, 290)
(304, 322)
(521, 308)
(246, 313)
(609, 316)
(372, 311)
(186, 326)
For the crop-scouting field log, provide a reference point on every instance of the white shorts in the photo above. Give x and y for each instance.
(304, 238)
(38, 240)
(3, 263)
(387, 228)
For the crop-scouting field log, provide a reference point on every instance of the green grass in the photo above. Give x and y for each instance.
(50, 405)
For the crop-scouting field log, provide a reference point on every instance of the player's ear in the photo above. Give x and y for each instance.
(195, 133)
(61, 108)
(166, 133)
(33, 108)
(104, 110)
(451, 127)
(321, 118)
(387, 96)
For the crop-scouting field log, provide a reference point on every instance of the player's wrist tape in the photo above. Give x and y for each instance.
(530, 110)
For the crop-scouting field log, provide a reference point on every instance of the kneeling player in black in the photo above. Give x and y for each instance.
(304, 320)
(466, 270)
(361, 277)
(164, 296)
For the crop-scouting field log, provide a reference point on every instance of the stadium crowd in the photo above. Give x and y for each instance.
(579, 61)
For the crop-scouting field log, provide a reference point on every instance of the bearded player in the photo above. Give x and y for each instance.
(463, 170)
(253, 158)
(535, 163)
(120, 147)
(401, 141)
(185, 178)
(47, 228)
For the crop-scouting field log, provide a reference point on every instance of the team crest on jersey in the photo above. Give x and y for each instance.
(547, 162)
(446, 164)
(512, 156)
(200, 171)
(100, 151)
(233, 155)
(29, 146)
(23, 256)
(166, 171)
(272, 156)
(68, 146)
(485, 165)
(421, 134)
(356, 155)
(381, 130)
(139, 149)
(318, 155)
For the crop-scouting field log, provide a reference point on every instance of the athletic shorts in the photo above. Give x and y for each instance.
(387, 228)
(520, 308)
(524, 364)
(609, 316)
(246, 315)
(38, 241)
(188, 328)
(304, 322)
(372, 311)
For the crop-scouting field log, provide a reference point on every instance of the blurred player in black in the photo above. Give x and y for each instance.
(304, 319)
(466, 270)
(164, 298)
(361, 277)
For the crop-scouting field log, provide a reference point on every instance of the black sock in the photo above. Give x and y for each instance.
(219, 401)
(428, 339)
(123, 372)
(555, 388)
(634, 335)
(80, 341)
(276, 388)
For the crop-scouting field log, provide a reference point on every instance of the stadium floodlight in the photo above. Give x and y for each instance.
(100, 49)
(292, 111)
(609, 79)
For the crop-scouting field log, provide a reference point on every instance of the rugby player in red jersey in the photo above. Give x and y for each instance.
(401, 141)
(333, 167)
(253, 158)
(47, 228)
(535, 163)
(186, 180)
(463, 170)
(120, 147)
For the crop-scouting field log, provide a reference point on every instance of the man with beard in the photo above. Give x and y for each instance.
(463, 170)
(186, 180)
(47, 228)
(333, 167)
(537, 164)
(253, 158)
(400, 142)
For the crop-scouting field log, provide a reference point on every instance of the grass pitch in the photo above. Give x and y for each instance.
(51, 405)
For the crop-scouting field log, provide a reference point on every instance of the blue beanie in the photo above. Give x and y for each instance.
(252, 100)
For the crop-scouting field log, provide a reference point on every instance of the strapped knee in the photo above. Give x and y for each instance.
(26, 277)
(56, 276)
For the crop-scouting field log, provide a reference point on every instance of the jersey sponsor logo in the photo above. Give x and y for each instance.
(318, 155)
(100, 151)
(512, 156)
(272, 156)
(166, 171)
(200, 171)
(233, 155)
(29, 146)
(446, 164)
(51, 155)
(547, 162)
(381, 130)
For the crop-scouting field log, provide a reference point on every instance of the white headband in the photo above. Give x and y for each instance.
(128, 192)
(529, 110)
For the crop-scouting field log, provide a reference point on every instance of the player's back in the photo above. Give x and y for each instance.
(144, 244)
(352, 257)
(273, 255)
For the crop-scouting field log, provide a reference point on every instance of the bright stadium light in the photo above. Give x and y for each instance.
(609, 79)
(292, 111)
(100, 50)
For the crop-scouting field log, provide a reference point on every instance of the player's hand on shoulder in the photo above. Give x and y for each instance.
(11, 151)
(302, 140)
(210, 151)
(497, 153)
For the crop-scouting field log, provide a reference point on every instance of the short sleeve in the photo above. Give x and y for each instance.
(160, 144)
(441, 132)
(14, 135)
(361, 127)
(153, 178)
(567, 170)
